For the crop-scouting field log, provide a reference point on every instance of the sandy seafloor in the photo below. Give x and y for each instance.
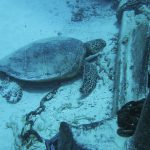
(22, 22)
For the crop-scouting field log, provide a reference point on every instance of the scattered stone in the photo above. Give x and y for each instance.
(78, 15)
(86, 9)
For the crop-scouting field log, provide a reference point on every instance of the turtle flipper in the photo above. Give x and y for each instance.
(11, 91)
(90, 76)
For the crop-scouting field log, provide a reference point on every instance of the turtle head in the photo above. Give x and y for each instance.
(94, 46)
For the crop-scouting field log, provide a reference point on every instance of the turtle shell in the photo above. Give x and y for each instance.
(45, 60)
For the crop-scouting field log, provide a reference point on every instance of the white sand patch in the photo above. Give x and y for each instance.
(102, 136)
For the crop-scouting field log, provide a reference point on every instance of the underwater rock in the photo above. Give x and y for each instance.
(66, 140)
(141, 139)
(128, 117)
(93, 136)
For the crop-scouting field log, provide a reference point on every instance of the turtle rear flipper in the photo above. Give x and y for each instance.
(90, 76)
(11, 91)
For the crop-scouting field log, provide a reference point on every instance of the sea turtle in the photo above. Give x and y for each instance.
(55, 58)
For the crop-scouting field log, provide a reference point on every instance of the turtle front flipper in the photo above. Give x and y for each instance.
(11, 91)
(90, 76)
